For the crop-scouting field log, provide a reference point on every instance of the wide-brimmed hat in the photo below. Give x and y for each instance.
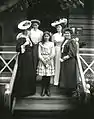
(24, 25)
(61, 21)
(35, 21)
(68, 29)
(47, 32)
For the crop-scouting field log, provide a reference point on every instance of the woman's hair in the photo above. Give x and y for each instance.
(62, 28)
(68, 29)
(46, 32)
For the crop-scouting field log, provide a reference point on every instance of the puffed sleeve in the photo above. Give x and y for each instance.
(20, 42)
(18, 36)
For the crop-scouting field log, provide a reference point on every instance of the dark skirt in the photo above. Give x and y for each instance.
(35, 55)
(25, 82)
(68, 76)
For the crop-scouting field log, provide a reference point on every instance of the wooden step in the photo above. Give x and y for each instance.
(43, 107)
(57, 106)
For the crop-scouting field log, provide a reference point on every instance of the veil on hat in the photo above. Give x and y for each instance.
(61, 21)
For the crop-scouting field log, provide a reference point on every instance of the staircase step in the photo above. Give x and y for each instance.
(42, 104)
(53, 96)
(36, 107)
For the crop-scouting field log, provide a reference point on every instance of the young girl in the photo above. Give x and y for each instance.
(45, 68)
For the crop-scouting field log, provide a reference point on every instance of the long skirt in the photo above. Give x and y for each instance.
(35, 55)
(25, 82)
(68, 75)
(57, 65)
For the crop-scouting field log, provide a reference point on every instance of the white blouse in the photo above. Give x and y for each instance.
(58, 39)
(36, 36)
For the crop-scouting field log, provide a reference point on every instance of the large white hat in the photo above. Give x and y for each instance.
(61, 21)
(24, 25)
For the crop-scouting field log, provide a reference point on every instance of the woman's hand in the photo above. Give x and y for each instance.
(61, 60)
(22, 49)
(66, 57)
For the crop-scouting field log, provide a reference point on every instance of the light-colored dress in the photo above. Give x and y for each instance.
(46, 50)
(58, 40)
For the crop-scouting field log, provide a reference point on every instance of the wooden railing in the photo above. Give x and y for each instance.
(9, 100)
(8, 73)
(85, 63)
(86, 56)
(81, 74)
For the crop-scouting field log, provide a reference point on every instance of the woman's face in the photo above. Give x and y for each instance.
(35, 25)
(59, 28)
(67, 35)
(25, 32)
(46, 37)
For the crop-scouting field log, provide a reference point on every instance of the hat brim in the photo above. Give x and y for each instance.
(24, 25)
(60, 22)
(35, 21)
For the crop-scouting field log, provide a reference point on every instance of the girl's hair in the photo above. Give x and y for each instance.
(46, 32)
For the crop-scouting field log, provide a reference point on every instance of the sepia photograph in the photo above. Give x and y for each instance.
(46, 59)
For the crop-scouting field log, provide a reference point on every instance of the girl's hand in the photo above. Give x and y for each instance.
(47, 65)
(44, 62)
(47, 59)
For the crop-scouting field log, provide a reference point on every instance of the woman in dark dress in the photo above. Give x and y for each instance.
(68, 78)
(25, 79)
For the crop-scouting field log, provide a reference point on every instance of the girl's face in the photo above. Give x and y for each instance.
(59, 28)
(46, 37)
(35, 25)
(67, 35)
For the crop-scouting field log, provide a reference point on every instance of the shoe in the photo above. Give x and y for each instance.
(43, 93)
(48, 93)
